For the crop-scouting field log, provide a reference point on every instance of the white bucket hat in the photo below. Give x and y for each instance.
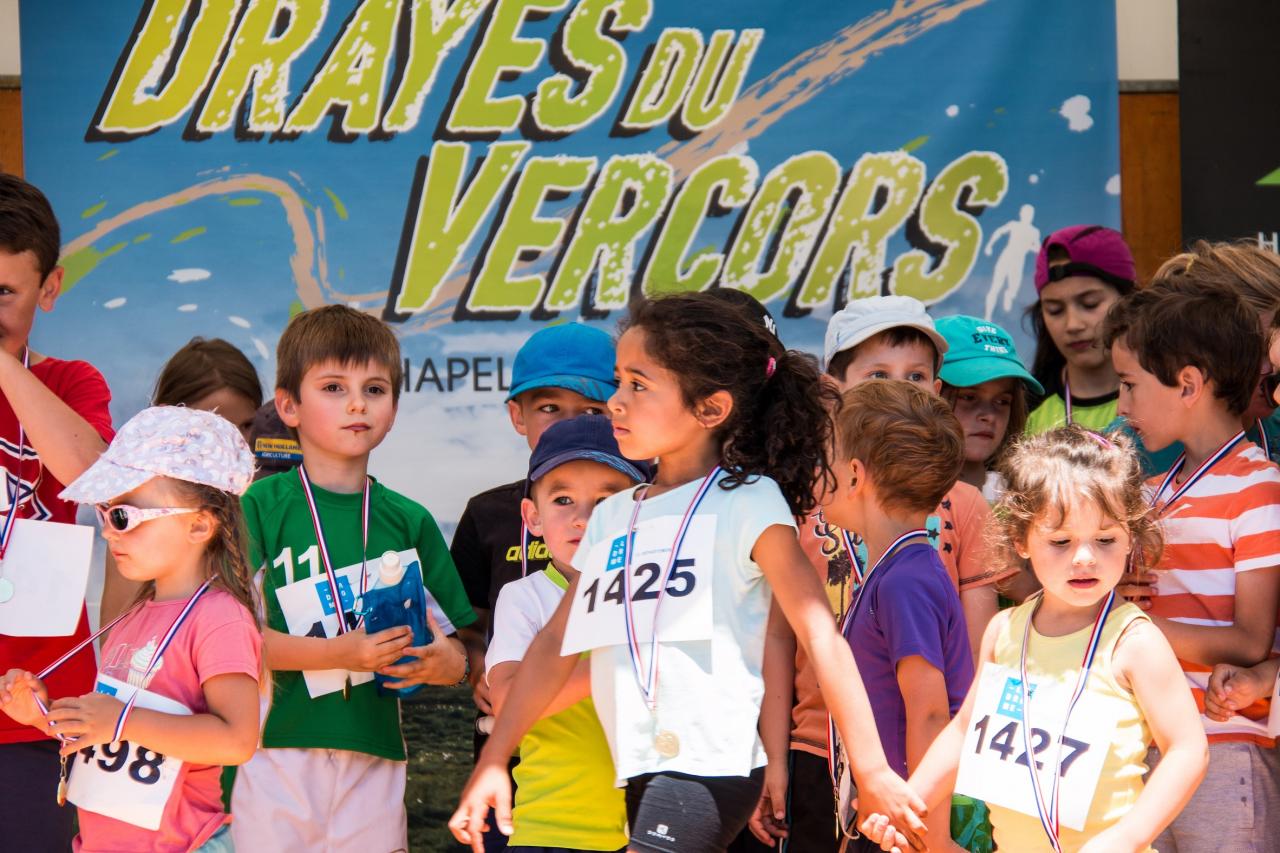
(864, 318)
(167, 441)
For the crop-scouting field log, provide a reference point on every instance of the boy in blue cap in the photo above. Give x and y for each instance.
(561, 372)
(565, 799)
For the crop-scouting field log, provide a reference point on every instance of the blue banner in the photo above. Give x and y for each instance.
(472, 170)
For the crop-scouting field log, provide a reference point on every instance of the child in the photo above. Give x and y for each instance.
(1074, 507)
(54, 422)
(1218, 585)
(1080, 272)
(565, 798)
(741, 428)
(331, 773)
(987, 387)
(899, 449)
(210, 375)
(177, 692)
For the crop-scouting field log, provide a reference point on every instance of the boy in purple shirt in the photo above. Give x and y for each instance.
(898, 450)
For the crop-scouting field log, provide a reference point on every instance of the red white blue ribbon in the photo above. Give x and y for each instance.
(151, 667)
(863, 580)
(648, 681)
(323, 547)
(15, 491)
(1195, 475)
(1047, 807)
(851, 548)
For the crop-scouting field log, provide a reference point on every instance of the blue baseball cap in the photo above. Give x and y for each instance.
(979, 351)
(587, 437)
(568, 355)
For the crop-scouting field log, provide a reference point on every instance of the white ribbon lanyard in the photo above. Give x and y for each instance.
(1213, 459)
(15, 494)
(1047, 807)
(648, 682)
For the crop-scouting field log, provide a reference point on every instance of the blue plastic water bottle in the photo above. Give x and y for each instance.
(397, 598)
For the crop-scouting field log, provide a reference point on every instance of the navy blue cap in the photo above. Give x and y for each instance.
(568, 355)
(584, 437)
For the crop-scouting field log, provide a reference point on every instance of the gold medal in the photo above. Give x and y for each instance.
(666, 744)
(346, 689)
(62, 781)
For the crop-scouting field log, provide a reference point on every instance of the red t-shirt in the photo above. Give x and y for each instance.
(80, 386)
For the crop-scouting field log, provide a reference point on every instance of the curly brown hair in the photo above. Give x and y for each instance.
(780, 424)
(1046, 473)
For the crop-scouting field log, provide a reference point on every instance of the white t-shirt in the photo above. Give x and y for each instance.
(710, 685)
(523, 608)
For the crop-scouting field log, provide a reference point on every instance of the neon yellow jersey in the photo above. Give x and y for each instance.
(1095, 413)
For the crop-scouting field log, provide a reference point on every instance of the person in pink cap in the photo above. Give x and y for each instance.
(1080, 272)
(176, 696)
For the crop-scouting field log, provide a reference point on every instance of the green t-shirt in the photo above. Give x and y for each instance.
(1095, 413)
(565, 793)
(280, 535)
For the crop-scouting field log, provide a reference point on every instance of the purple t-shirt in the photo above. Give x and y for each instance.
(908, 607)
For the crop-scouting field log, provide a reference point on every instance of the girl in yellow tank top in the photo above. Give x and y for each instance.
(1101, 681)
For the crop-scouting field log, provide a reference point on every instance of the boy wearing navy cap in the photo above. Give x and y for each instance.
(564, 759)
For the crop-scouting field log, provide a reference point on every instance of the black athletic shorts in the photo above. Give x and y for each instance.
(678, 813)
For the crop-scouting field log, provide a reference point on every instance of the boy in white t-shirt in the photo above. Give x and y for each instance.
(565, 794)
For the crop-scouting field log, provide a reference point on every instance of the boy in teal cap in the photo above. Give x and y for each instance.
(986, 384)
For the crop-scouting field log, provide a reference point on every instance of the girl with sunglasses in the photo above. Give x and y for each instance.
(177, 693)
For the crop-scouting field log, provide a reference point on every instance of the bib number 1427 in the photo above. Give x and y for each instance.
(1007, 740)
(645, 587)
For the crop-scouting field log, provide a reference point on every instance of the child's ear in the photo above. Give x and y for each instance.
(50, 289)
(287, 408)
(1191, 383)
(517, 417)
(529, 513)
(202, 528)
(715, 409)
(937, 387)
(855, 477)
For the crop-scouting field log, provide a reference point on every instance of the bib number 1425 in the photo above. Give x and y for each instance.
(646, 577)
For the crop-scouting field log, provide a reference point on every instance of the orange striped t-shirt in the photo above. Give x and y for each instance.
(1226, 524)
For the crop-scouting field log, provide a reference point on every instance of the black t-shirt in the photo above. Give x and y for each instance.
(486, 545)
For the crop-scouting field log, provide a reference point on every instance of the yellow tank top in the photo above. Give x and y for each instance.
(1121, 780)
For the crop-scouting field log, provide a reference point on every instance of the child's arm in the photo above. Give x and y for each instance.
(924, 695)
(1232, 688)
(226, 735)
(779, 669)
(578, 687)
(799, 594)
(535, 687)
(65, 441)
(19, 690)
(980, 604)
(1249, 637)
(1145, 660)
(355, 650)
(442, 662)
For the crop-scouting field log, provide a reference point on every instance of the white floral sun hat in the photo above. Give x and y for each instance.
(167, 441)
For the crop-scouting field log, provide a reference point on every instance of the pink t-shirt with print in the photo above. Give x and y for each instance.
(218, 638)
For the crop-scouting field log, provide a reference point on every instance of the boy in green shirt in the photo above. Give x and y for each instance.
(331, 771)
(565, 794)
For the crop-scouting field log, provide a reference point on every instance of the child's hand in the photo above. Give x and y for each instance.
(442, 661)
(489, 787)
(877, 828)
(359, 651)
(1138, 587)
(88, 720)
(885, 792)
(1112, 840)
(1232, 688)
(769, 819)
(18, 692)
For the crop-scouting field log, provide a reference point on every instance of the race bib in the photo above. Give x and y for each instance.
(994, 761)
(124, 780)
(596, 617)
(46, 567)
(309, 611)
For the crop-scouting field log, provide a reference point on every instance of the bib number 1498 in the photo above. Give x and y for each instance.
(1007, 740)
(646, 577)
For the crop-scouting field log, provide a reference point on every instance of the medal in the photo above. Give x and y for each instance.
(346, 689)
(62, 780)
(666, 743)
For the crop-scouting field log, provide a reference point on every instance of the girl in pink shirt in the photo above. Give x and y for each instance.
(177, 690)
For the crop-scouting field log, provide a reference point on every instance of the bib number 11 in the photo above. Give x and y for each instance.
(1006, 740)
(680, 584)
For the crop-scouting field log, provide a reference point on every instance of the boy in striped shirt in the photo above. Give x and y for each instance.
(1188, 358)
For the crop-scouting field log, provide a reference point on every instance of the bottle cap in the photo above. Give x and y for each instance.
(391, 570)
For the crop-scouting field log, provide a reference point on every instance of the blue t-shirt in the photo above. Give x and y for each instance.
(908, 607)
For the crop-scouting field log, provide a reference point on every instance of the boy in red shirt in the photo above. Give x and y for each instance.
(62, 407)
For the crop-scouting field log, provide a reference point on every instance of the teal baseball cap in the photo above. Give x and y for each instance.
(567, 355)
(979, 351)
